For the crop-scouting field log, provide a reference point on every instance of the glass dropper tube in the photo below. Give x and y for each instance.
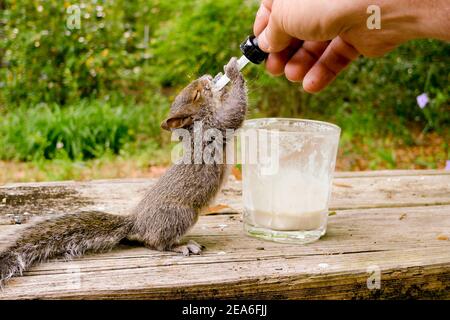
(251, 53)
(223, 80)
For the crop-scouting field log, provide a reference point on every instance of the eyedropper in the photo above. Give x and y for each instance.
(251, 53)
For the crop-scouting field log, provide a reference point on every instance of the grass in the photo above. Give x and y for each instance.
(368, 153)
(424, 151)
(103, 139)
(87, 103)
(80, 132)
(148, 165)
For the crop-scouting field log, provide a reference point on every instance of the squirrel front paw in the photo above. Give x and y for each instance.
(232, 70)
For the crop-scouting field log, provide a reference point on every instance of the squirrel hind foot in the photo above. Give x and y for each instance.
(191, 248)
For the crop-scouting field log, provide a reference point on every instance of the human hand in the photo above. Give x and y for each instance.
(312, 41)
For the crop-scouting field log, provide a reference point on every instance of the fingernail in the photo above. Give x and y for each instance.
(262, 11)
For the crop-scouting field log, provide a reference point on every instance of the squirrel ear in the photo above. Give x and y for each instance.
(175, 123)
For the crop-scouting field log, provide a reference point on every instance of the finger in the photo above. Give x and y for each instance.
(335, 58)
(276, 62)
(262, 17)
(304, 59)
(273, 38)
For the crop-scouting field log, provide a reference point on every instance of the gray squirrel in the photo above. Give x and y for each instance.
(166, 212)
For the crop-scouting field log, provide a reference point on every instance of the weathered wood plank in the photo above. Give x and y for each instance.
(400, 235)
(391, 173)
(119, 196)
(349, 232)
(274, 278)
(412, 261)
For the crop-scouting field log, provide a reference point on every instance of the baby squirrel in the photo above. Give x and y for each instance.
(167, 211)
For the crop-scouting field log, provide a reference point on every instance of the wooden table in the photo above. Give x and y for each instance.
(396, 223)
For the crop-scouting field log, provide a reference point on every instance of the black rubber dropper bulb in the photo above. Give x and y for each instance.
(251, 53)
(251, 50)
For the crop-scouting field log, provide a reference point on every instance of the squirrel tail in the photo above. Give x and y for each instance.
(68, 236)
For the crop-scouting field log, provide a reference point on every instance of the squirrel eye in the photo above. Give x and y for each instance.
(197, 95)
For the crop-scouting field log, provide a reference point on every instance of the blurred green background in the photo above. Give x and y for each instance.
(75, 100)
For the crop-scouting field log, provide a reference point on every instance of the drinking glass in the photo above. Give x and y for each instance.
(287, 172)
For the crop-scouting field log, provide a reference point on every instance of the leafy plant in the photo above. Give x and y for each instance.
(78, 132)
(104, 87)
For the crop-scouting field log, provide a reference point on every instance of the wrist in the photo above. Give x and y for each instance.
(433, 19)
(402, 20)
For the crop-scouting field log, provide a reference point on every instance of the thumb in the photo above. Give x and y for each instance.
(273, 38)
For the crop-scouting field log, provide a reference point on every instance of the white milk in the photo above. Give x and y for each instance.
(287, 169)
(302, 204)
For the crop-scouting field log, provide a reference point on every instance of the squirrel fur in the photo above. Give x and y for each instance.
(168, 209)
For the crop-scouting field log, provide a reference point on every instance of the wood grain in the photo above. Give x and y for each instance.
(388, 221)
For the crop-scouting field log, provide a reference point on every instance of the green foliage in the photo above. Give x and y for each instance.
(48, 59)
(80, 132)
(372, 96)
(201, 41)
(104, 88)
(380, 94)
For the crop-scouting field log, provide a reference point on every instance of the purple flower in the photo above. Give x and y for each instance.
(447, 165)
(422, 100)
